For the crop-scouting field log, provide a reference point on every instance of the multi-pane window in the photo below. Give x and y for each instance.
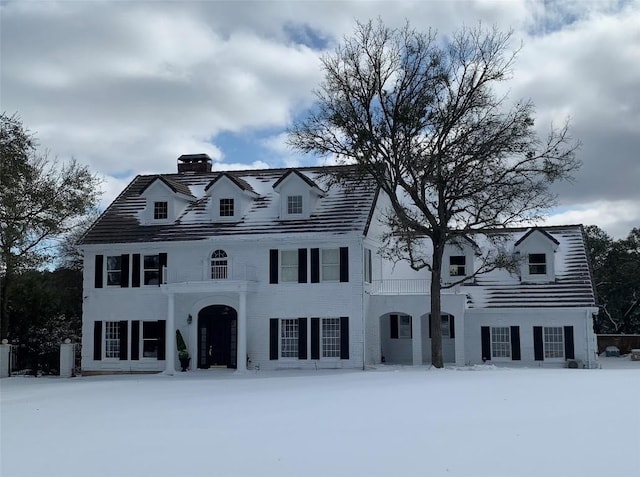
(330, 337)
(151, 264)
(289, 265)
(111, 339)
(500, 342)
(553, 342)
(457, 266)
(289, 338)
(226, 208)
(537, 264)
(367, 265)
(114, 270)
(160, 210)
(219, 265)
(294, 204)
(404, 326)
(330, 265)
(150, 339)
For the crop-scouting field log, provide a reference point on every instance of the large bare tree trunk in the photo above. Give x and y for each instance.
(436, 329)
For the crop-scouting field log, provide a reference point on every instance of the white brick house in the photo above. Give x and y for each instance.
(275, 269)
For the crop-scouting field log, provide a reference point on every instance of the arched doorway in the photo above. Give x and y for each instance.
(217, 337)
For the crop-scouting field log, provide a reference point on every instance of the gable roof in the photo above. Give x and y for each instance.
(572, 287)
(343, 209)
(536, 229)
(306, 179)
(241, 183)
(175, 186)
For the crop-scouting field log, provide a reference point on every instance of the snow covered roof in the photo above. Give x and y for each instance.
(343, 209)
(571, 287)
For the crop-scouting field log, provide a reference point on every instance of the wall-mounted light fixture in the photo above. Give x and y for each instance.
(189, 319)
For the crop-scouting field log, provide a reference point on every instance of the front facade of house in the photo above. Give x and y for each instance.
(275, 269)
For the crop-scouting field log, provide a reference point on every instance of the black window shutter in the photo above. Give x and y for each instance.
(162, 264)
(485, 333)
(162, 340)
(302, 338)
(302, 265)
(429, 325)
(273, 266)
(135, 270)
(124, 340)
(452, 327)
(315, 338)
(98, 271)
(124, 271)
(97, 340)
(315, 265)
(135, 340)
(344, 264)
(344, 337)
(273, 338)
(569, 352)
(393, 321)
(515, 343)
(538, 350)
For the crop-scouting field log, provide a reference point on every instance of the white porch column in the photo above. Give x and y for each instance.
(5, 359)
(416, 332)
(170, 338)
(242, 333)
(458, 326)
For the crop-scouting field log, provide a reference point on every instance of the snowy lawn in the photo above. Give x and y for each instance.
(391, 421)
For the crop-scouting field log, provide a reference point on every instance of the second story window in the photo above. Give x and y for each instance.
(226, 208)
(219, 265)
(151, 265)
(289, 265)
(114, 270)
(537, 264)
(330, 265)
(294, 204)
(160, 210)
(457, 266)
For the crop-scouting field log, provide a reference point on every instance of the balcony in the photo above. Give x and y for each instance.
(407, 286)
(232, 279)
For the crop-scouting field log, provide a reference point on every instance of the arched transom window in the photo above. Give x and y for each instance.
(219, 265)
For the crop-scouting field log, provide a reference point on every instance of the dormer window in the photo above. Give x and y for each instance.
(457, 266)
(536, 249)
(226, 207)
(294, 204)
(160, 210)
(537, 264)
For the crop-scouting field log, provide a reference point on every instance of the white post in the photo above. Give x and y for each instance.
(458, 326)
(5, 359)
(416, 331)
(170, 352)
(67, 352)
(242, 333)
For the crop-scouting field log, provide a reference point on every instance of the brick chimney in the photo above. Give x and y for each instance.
(194, 163)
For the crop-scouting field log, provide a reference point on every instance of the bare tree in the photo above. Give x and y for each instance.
(40, 200)
(421, 116)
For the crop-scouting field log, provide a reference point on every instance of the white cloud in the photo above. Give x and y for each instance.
(127, 87)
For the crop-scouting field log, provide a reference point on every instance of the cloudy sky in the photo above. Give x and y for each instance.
(128, 86)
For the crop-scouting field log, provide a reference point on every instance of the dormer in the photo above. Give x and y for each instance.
(298, 195)
(230, 197)
(165, 199)
(458, 259)
(536, 249)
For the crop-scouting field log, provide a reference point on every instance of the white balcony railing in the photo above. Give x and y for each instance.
(400, 287)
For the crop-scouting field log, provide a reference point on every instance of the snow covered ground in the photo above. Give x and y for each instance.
(389, 421)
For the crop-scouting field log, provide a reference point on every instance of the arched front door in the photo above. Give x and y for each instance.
(217, 336)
